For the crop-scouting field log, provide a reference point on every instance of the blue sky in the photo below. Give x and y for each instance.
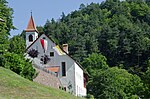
(42, 10)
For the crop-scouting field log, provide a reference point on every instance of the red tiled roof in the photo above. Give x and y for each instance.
(54, 69)
(31, 25)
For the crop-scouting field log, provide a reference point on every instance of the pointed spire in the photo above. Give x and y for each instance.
(31, 25)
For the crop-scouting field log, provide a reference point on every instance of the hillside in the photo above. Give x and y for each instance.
(14, 86)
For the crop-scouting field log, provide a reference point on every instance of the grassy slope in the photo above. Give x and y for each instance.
(13, 86)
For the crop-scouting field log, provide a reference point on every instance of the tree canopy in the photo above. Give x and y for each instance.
(17, 45)
(115, 83)
(6, 15)
(12, 50)
(117, 29)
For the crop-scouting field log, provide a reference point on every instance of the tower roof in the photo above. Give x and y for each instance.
(31, 25)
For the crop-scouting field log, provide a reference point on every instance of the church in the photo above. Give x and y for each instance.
(56, 59)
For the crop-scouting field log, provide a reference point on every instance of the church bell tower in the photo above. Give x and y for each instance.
(31, 32)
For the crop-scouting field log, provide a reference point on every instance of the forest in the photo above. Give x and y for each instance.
(111, 40)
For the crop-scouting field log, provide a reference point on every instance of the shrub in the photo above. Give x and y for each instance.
(19, 65)
(45, 59)
(33, 53)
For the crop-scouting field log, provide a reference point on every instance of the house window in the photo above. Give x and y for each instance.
(63, 68)
(51, 54)
(30, 38)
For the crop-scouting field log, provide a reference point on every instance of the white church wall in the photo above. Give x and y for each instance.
(79, 81)
(37, 45)
(35, 36)
(68, 80)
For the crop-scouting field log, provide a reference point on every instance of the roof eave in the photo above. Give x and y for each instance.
(27, 30)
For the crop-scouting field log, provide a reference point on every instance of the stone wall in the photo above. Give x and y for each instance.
(47, 79)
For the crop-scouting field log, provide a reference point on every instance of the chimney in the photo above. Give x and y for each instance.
(65, 48)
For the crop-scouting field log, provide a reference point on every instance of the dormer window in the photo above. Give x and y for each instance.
(30, 38)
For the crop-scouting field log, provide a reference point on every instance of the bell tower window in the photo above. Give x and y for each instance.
(30, 38)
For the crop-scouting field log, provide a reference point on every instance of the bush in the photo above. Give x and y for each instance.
(19, 65)
(33, 53)
(45, 59)
(89, 96)
(115, 83)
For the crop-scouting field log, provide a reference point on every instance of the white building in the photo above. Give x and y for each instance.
(70, 73)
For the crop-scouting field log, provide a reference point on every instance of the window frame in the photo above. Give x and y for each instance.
(51, 54)
(30, 38)
(63, 64)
